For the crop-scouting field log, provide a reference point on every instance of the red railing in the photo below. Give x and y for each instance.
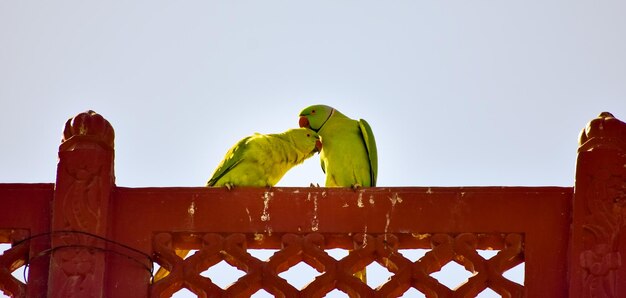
(86, 237)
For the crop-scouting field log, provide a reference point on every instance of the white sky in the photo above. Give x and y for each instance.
(457, 92)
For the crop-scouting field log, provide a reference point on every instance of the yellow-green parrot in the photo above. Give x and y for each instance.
(260, 160)
(349, 157)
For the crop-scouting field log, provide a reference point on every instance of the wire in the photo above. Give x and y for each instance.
(149, 268)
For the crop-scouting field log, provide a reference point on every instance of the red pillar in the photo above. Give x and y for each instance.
(598, 242)
(85, 178)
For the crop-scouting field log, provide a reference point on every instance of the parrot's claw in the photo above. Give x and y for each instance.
(229, 186)
(356, 186)
(315, 185)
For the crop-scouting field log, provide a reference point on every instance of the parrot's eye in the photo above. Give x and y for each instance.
(308, 135)
(312, 111)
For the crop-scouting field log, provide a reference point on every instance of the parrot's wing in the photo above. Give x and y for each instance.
(370, 144)
(233, 157)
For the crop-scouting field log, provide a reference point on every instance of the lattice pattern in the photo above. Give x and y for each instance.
(12, 259)
(339, 274)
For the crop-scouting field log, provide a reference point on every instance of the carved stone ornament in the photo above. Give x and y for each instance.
(605, 131)
(89, 126)
(84, 181)
(605, 205)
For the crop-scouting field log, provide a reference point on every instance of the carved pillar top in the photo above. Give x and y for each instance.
(86, 130)
(599, 211)
(605, 132)
(85, 180)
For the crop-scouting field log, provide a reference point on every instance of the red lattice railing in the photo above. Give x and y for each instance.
(374, 224)
(340, 273)
(86, 237)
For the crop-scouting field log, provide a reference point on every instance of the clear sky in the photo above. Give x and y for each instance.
(457, 92)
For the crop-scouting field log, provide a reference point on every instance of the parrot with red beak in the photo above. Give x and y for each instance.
(349, 156)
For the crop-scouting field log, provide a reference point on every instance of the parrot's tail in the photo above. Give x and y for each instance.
(162, 272)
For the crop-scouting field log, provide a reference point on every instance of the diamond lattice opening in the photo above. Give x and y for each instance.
(223, 274)
(413, 293)
(488, 293)
(452, 275)
(337, 253)
(413, 254)
(516, 274)
(19, 273)
(377, 275)
(155, 267)
(487, 254)
(300, 275)
(190, 253)
(262, 294)
(262, 254)
(336, 293)
(184, 293)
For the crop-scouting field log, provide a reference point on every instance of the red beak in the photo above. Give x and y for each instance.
(318, 145)
(304, 122)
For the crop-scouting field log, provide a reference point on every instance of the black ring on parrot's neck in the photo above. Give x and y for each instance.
(332, 110)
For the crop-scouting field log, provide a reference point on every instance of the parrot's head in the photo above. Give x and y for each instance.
(314, 117)
(305, 140)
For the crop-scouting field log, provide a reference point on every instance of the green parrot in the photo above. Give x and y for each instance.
(349, 156)
(260, 160)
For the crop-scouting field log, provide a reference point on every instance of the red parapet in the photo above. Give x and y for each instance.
(525, 224)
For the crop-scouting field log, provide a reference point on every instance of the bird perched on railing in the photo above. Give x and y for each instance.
(263, 159)
(260, 160)
(349, 157)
